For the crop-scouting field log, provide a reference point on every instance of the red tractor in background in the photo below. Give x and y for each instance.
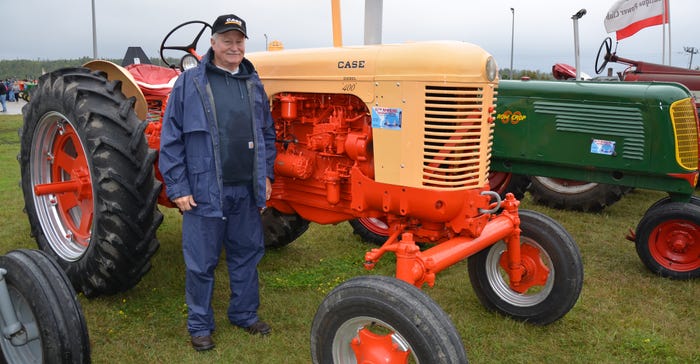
(645, 71)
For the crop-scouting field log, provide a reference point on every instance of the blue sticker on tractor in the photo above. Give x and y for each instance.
(386, 118)
(606, 147)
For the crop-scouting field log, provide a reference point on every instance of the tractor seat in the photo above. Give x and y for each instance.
(153, 80)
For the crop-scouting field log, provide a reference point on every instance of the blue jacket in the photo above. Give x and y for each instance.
(189, 142)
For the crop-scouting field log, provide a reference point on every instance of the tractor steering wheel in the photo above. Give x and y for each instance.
(607, 43)
(191, 48)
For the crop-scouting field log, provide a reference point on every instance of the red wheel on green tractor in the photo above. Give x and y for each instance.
(88, 180)
(378, 319)
(667, 239)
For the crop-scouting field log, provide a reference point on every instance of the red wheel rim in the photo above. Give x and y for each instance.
(498, 181)
(374, 225)
(536, 271)
(675, 245)
(60, 174)
(375, 348)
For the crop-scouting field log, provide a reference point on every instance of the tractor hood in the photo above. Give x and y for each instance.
(443, 61)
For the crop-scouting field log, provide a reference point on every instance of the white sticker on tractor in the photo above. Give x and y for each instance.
(606, 147)
(386, 118)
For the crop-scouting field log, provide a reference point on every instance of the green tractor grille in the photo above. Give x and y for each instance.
(686, 133)
(624, 122)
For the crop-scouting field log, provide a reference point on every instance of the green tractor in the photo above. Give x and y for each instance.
(591, 196)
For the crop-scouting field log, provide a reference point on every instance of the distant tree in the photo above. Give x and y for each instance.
(518, 74)
(25, 69)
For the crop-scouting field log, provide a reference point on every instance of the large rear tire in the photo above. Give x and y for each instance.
(46, 306)
(282, 229)
(574, 195)
(88, 180)
(378, 319)
(553, 273)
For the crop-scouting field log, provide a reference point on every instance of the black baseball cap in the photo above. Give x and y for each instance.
(224, 23)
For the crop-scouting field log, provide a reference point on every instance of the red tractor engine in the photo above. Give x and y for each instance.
(320, 138)
(325, 172)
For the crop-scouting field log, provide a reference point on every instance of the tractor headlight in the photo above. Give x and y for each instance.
(491, 69)
(188, 61)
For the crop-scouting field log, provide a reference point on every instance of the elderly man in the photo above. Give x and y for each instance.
(216, 156)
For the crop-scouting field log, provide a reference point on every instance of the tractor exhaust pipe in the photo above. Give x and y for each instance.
(373, 22)
(337, 28)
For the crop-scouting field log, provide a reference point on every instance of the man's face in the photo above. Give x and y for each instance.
(229, 49)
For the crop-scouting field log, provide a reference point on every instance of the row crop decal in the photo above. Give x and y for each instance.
(511, 117)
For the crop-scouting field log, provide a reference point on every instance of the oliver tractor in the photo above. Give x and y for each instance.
(591, 196)
(590, 142)
(362, 132)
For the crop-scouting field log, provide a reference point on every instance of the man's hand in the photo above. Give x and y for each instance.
(185, 203)
(268, 188)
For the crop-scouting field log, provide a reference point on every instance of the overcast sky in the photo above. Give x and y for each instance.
(544, 35)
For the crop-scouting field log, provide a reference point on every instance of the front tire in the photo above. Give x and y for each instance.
(553, 279)
(668, 239)
(378, 319)
(88, 180)
(46, 306)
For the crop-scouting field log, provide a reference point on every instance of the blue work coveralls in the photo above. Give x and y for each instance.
(190, 163)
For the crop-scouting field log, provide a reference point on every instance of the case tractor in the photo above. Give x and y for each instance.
(362, 132)
(589, 142)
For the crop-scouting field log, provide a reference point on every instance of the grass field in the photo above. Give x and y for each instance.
(625, 314)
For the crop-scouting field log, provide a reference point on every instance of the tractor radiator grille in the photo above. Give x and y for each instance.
(620, 121)
(686, 133)
(457, 141)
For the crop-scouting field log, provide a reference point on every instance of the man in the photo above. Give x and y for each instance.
(3, 96)
(216, 156)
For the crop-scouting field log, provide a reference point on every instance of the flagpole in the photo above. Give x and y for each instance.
(667, 9)
(663, 33)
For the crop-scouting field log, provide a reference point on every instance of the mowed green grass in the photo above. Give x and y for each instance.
(625, 314)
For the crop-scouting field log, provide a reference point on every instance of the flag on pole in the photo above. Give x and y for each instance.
(627, 17)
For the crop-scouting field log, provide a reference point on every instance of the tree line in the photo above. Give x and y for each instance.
(23, 69)
(504, 74)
